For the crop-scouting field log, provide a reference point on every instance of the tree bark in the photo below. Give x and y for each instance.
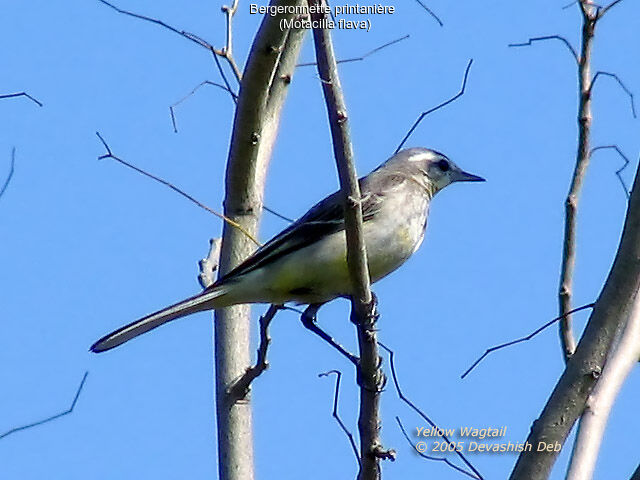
(262, 93)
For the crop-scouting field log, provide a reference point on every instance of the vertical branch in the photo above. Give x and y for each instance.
(364, 314)
(565, 293)
(262, 93)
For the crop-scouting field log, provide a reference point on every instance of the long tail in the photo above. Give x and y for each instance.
(197, 303)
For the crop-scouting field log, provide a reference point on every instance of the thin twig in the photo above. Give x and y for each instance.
(619, 171)
(622, 85)
(182, 33)
(430, 12)
(523, 339)
(421, 413)
(336, 415)
(49, 419)
(21, 94)
(240, 389)
(225, 52)
(234, 97)
(575, 2)
(362, 57)
(430, 457)
(443, 104)
(109, 154)
(602, 11)
(279, 215)
(549, 37)
(11, 170)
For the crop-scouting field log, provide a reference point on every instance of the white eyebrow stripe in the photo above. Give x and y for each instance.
(421, 157)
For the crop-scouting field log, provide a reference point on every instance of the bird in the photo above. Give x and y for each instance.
(306, 262)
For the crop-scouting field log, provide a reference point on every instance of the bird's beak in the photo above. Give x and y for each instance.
(467, 177)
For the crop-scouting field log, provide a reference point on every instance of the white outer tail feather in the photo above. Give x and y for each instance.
(197, 303)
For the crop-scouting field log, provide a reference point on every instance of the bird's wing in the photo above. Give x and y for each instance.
(324, 218)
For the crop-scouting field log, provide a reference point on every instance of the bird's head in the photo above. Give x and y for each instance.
(429, 168)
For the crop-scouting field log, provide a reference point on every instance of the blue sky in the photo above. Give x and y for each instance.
(89, 245)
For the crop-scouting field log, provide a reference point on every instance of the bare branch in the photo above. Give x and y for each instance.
(49, 419)
(225, 52)
(182, 33)
(549, 37)
(362, 57)
(569, 396)
(234, 97)
(443, 104)
(622, 85)
(523, 339)
(602, 11)
(240, 389)
(619, 171)
(11, 170)
(577, 2)
(620, 361)
(109, 154)
(279, 215)
(336, 415)
(431, 457)
(363, 304)
(21, 94)
(430, 12)
(423, 415)
(265, 84)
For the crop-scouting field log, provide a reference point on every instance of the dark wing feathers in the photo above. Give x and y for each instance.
(324, 218)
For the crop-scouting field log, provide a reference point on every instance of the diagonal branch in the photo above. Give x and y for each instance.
(602, 11)
(523, 339)
(226, 52)
(569, 396)
(336, 415)
(21, 94)
(443, 104)
(529, 42)
(53, 417)
(620, 361)
(182, 33)
(361, 57)
(11, 170)
(430, 12)
(423, 415)
(431, 457)
(110, 155)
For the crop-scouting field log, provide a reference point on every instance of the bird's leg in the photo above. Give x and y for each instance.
(308, 319)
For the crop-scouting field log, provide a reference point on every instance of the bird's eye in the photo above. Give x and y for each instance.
(443, 165)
